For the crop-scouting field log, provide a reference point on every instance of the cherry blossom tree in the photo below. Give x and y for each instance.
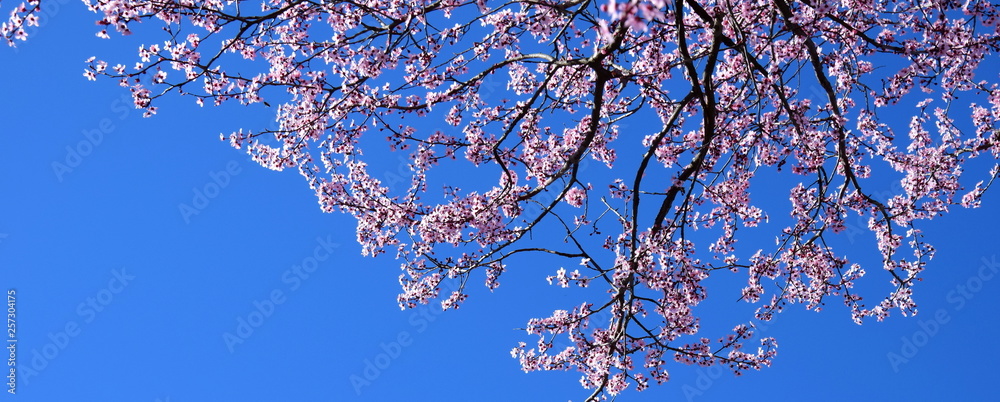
(634, 130)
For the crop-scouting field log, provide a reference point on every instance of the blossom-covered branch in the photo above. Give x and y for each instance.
(623, 126)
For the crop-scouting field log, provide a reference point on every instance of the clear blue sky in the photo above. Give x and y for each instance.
(122, 296)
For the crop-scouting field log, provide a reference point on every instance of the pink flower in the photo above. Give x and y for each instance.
(575, 196)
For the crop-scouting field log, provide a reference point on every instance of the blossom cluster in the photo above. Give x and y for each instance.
(645, 134)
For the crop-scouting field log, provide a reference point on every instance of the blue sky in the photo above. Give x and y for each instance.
(131, 287)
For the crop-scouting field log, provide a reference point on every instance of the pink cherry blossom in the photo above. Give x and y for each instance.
(625, 127)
